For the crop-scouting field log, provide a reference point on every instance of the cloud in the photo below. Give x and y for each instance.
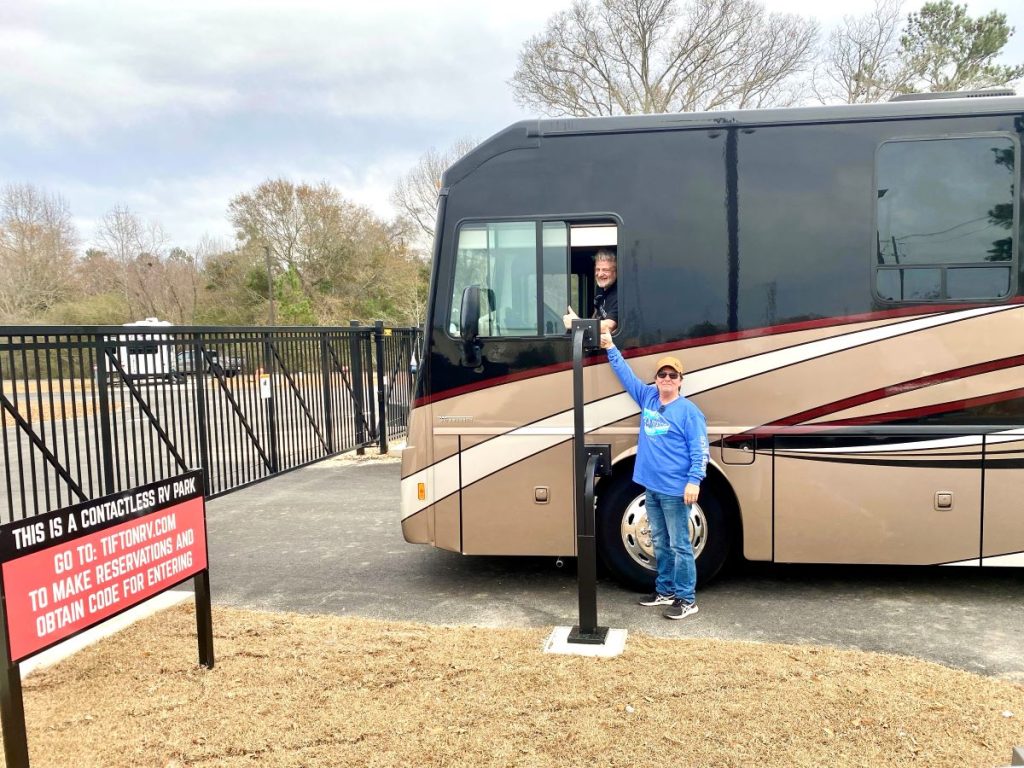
(74, 72)
(174, 108)
(55, 89)
(191, 207)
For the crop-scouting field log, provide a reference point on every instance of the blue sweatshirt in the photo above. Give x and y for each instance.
(673, 446)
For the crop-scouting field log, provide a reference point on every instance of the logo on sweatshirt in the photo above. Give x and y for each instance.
(654, 423)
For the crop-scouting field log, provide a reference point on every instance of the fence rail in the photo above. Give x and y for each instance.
(89, 411)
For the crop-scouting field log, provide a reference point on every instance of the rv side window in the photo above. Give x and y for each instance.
(945, 213)
(506, 258)
(503, 258)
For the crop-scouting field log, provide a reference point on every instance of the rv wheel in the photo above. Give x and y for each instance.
(624, 538)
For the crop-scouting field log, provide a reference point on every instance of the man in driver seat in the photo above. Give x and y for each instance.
(606, 295)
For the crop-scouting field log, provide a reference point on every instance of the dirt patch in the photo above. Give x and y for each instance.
(394, 456)
(292, 690)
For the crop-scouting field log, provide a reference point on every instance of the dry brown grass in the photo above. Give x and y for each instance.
(45, 386)
(292, 690)
(35, 409)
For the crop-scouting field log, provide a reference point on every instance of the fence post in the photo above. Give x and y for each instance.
(325, 370)
(202, 423)
(355, 350)
(382, 411)
(12, 704)
(268, 368)
(103, 393)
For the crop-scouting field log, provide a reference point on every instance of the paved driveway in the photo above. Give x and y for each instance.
(327, 539)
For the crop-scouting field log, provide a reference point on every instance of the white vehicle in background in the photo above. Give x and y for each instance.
(142, 354)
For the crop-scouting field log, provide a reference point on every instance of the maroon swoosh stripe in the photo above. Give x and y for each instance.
(895, 389)
(928, 410)
(718, 338)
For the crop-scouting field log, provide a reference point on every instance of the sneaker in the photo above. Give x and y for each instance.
(680, 609)
(655, 599)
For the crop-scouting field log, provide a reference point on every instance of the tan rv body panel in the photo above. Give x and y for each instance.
(484, 454)
(447, 517)
(1003, 522)
(831, 512)
(501, 515)
(752, 482)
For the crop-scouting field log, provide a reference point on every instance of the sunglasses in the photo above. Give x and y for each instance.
(668, 374)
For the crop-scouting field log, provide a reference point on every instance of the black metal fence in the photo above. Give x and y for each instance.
(88, 411)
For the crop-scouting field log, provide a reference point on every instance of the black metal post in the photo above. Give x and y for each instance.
(268, 368)
(325, 370)
(382, 413)
(585, 333)
(204, 617)
(356, 377)
(202, 423)
(103, 393)
(12, 705)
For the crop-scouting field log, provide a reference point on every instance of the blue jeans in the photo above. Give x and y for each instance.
(669, 519)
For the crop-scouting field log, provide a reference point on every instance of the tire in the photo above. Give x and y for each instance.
(624, 542)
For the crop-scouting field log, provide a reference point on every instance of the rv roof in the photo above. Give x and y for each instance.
(150, 321)
(822, 114)
(526, 133)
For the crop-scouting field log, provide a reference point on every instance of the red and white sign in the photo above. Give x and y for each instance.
(54, 592)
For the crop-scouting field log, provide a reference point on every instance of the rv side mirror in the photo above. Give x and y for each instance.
(469, 315)
(469, 324)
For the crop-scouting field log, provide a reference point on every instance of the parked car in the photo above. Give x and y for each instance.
(214, 363)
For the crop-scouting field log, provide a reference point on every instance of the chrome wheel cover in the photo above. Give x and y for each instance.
(636, 532)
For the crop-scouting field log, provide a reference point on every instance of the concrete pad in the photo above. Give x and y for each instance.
(109, 627)
(558, 642)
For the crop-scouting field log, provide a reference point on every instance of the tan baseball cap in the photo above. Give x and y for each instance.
(669, 362)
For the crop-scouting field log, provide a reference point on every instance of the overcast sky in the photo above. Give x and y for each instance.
(173, 108)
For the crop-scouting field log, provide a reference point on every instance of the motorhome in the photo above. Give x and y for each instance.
(843, 285)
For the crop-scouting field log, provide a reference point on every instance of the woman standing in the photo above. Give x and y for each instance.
(671, 462)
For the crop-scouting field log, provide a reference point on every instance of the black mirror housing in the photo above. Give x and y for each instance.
(469, 315)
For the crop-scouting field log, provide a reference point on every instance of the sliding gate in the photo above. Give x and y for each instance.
(92, 411)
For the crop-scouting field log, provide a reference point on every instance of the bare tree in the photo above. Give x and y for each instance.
(174, 294)
(415, 194)
(138, 248)
(333, 260)
(37, 245)
(861, 62)
(642, 56)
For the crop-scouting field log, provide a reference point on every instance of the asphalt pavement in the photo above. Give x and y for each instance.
(327, 539)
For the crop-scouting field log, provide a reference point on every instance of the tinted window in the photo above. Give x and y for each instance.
(947, 205)
(500, 257)
(909, 284)
(556, 287)
(523, 271)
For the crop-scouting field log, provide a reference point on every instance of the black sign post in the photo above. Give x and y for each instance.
(12, 705)
(204, 617)
(67, 571)
(588, 461)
